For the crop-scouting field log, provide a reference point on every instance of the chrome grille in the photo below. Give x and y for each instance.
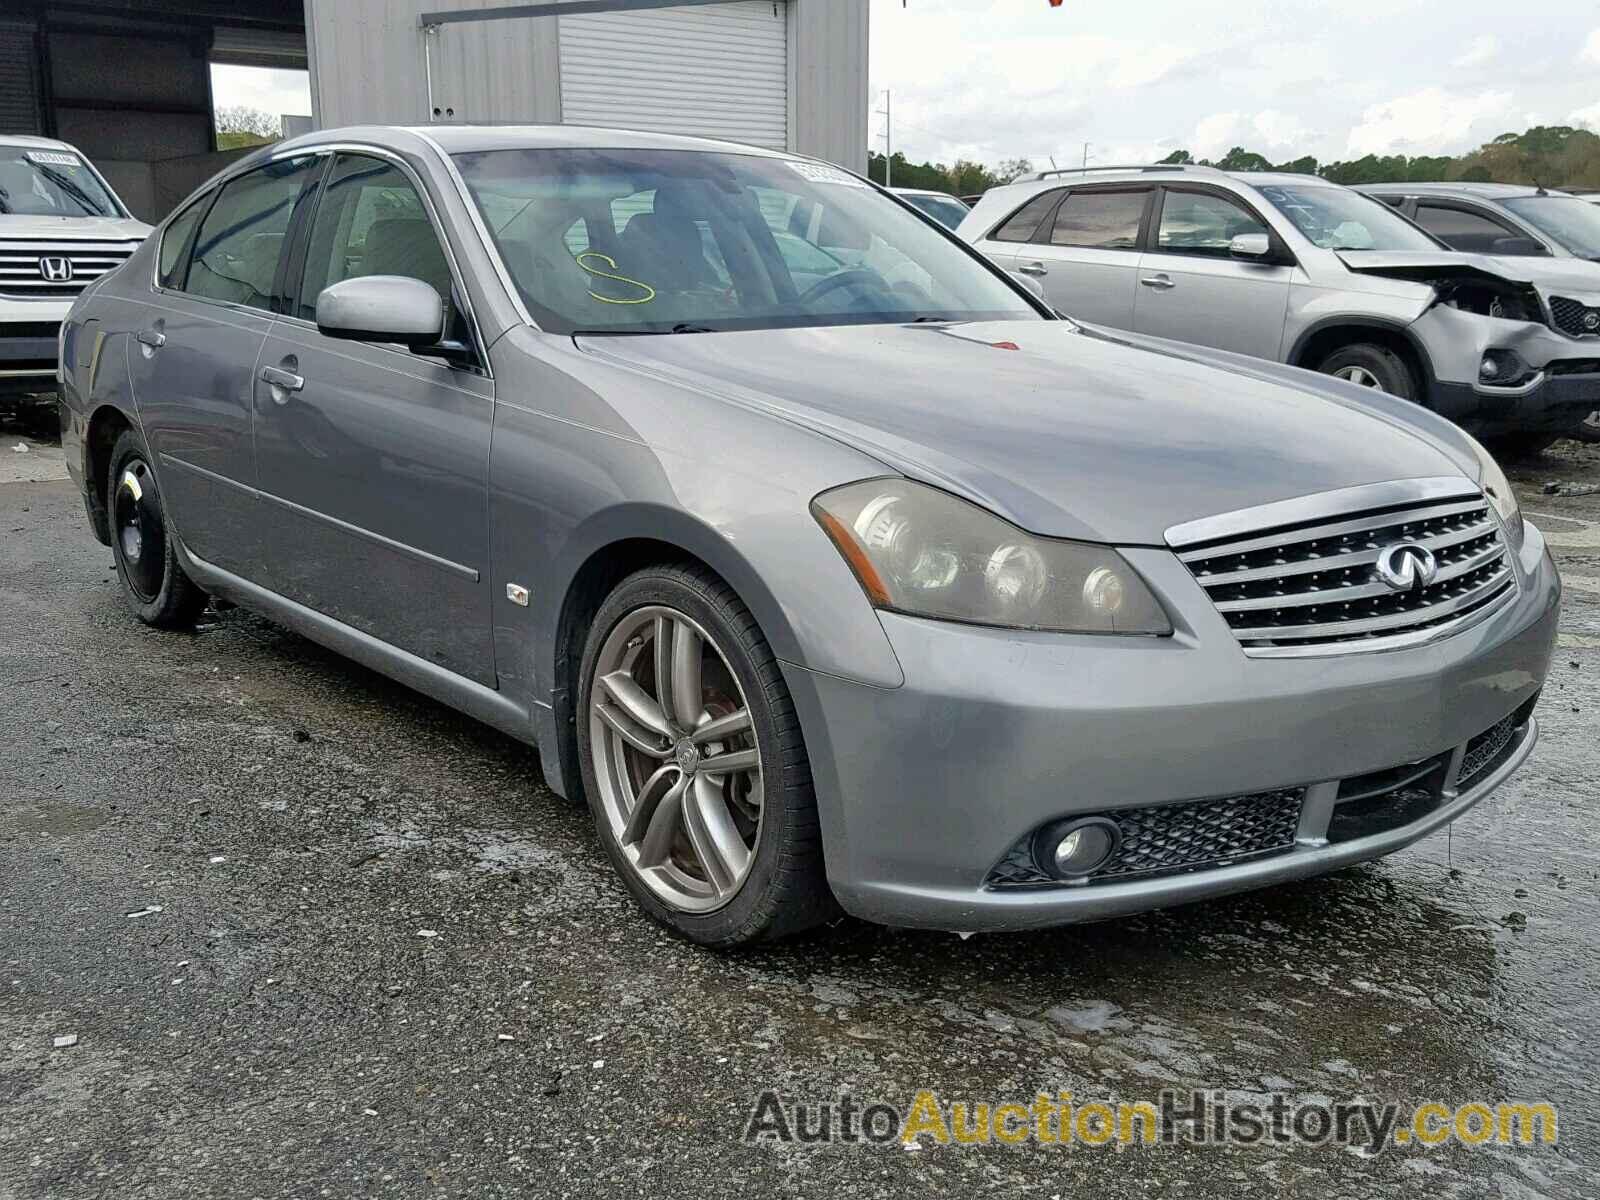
(22, 278)
(1316, 583)
(1574, 318)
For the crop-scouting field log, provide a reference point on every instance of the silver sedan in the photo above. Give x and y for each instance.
(832, 568)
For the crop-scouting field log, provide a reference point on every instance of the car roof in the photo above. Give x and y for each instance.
(1486, 191)
(1167, 173)
(467, 139)
(35, 143)
(924, 192)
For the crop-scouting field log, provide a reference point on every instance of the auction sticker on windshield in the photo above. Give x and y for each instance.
(823, 173)
(52, 158)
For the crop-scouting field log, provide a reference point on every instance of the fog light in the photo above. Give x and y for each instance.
(1074, 849)
(1490, 369)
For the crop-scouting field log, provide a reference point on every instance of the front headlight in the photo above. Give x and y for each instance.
(1501, 494)
(920, 551)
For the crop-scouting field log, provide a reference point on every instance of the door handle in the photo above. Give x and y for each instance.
(282, 381)
(1159, 282)
(1032, 268)
(153, 338)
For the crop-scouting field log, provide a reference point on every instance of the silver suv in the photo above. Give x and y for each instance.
(1299, 270)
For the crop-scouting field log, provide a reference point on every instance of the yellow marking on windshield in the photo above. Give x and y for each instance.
(612, 263)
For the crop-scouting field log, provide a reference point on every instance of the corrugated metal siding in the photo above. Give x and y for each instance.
(19, 85)
(713, 71)
(829, 64)
(366, 66)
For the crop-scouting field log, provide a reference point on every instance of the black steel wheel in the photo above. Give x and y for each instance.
(154, 585)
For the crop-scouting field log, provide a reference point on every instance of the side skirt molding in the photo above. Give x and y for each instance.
(447, 687)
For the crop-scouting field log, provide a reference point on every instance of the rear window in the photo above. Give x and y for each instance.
(1025, 222)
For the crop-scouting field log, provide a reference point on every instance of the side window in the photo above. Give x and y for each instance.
(174, 240)
(1200, 223)
(1024, 223)
(236, 251)
(371, 221)
(1459, 229)
(1099, 220)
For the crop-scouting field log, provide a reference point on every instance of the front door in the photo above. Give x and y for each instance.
(1192, 289)
(193, 358)
(373, 461)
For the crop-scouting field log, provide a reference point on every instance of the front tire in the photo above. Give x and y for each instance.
(1368, 365)
(694, 765)
(154, 585)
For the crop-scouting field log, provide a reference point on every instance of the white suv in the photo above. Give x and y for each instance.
(61, 228)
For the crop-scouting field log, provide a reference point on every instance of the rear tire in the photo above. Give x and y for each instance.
(724, 858)
(1368, 365)
(154, 586)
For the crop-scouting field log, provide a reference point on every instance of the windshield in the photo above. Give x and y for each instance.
(1336, 218)
(681, 241)
(1572, 222)
(947, 210)
(51, 183)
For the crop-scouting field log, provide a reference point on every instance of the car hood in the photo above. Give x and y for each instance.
(1075, 433)
(1567, 276)
(64, 229)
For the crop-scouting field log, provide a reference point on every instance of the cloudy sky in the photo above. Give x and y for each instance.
(275, 92)
(996, 79)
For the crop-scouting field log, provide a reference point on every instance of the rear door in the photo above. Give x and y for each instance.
(1001, 244)
(373, 460)
(1192, 289)
(193, 358)
(1087, 254)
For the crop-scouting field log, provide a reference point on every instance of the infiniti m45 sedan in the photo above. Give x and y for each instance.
(829, 566)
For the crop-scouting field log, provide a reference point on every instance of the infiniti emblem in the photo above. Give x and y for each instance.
(1407, 566)
(56, 269)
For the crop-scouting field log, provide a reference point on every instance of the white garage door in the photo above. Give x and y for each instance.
(711, 70)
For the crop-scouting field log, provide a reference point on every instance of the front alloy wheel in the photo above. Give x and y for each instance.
(676, 761)
(694, 764)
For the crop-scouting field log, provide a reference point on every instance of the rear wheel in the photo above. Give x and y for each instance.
(694, 765)
(154, 586)
(1368, 365)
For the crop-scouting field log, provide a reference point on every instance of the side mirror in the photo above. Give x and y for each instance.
(382, 308)
(1255, 246)
(1518, 247)
(1028, 281)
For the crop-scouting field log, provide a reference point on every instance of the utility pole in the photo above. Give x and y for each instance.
(886, 112)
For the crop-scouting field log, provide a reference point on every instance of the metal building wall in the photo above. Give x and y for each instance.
(367, 66)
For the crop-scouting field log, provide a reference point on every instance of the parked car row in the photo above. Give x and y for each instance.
(832, 566)
(1296, 269)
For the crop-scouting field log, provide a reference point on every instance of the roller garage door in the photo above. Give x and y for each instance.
(712, 70)
(19, 83)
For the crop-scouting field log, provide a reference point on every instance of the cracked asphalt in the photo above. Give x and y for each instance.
(318, 935)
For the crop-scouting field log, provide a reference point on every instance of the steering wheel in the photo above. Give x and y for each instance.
(856, 276)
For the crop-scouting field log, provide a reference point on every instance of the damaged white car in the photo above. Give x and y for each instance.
(1300, 270)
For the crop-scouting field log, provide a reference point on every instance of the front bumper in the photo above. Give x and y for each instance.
(923, 789)
(1563, 389)
(28, 347)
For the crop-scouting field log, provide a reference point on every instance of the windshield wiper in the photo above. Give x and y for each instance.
(686, 327)
(77, 193)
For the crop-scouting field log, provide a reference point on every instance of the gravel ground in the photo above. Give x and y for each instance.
(316, 935)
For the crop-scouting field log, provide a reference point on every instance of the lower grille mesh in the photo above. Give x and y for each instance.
(1179, 837)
